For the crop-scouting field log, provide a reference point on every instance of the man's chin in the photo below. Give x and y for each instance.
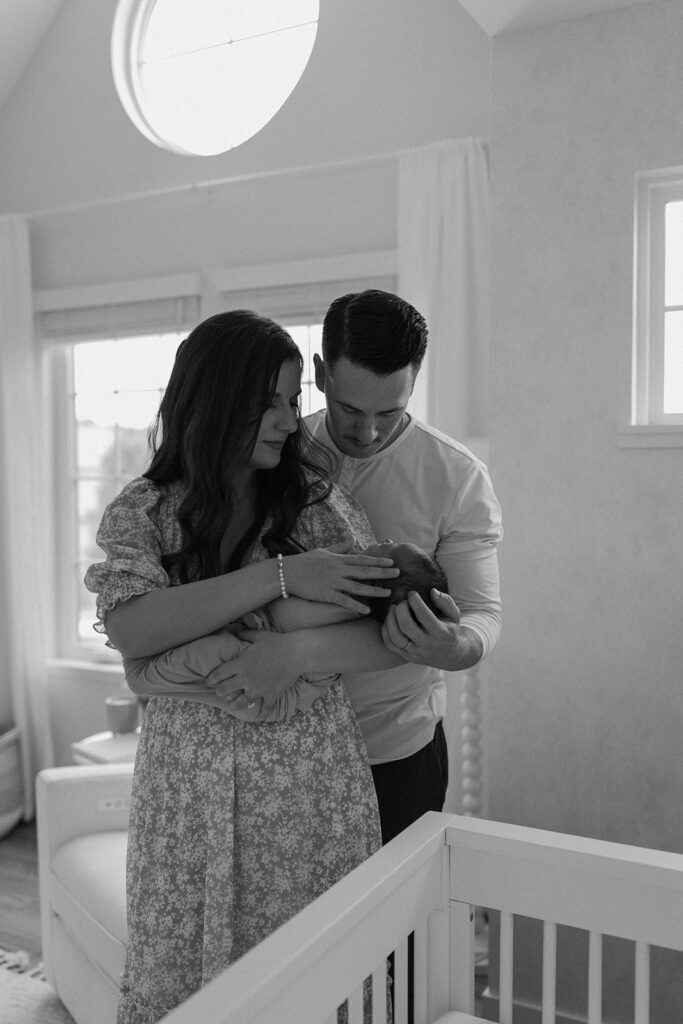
(360, 451)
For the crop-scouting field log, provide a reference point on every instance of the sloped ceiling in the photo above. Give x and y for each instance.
(499, 16)
(23, 23)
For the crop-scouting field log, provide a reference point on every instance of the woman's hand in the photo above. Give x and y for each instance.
(262, 671)
(337, 575)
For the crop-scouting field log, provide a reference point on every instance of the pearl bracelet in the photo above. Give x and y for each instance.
(281, 575)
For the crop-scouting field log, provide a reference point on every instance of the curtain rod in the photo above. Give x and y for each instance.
(200, 186)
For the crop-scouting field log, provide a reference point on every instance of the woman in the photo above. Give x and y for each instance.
(235, 825)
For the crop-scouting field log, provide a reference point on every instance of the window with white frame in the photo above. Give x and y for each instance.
(114, 387)
(657, 393)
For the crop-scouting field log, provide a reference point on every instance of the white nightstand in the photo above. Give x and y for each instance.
(106, 748)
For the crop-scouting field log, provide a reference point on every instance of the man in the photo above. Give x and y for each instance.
(417, 485)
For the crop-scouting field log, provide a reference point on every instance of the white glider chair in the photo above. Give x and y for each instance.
(82, 818)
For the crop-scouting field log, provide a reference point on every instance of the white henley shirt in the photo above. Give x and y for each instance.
(426, 489)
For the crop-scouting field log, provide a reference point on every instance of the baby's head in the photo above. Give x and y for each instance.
(419, 572)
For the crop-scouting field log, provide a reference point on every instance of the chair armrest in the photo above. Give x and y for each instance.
(77, 800)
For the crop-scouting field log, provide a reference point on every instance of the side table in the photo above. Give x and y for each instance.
(106, 748)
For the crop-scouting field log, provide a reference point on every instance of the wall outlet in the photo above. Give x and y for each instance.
(114, 803)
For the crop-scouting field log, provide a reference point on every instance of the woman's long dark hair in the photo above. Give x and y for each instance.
(223, 380)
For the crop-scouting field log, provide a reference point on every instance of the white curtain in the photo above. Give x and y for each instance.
(443, 269)
(24, 565)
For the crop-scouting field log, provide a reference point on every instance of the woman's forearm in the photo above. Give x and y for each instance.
(160, 619)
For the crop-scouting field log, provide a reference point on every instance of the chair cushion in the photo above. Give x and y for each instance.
(89, 894)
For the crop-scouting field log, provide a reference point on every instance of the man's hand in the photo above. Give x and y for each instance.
(412, 631)
(263, 670)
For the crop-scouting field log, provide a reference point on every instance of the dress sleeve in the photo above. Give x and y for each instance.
(131, 538)
(339, 519)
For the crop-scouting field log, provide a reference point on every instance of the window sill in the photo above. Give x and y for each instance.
(655, 436)
(71, 668)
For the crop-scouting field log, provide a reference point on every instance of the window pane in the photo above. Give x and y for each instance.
(673, 363)
(93, 445)
(673, 284)
(133, 455)
(208, 76)
(98, 409)
(308, 338)
(94, 367)
(135, 410)
(144, 364)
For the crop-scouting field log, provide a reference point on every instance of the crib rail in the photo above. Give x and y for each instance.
(308, 968)
(428, 882)
(604, 889)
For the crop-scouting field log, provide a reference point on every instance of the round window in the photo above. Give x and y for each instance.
(202, 78)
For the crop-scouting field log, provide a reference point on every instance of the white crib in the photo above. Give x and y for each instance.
(429, 881)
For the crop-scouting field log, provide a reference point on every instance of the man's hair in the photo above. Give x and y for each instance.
(377, 330)
(419, 572)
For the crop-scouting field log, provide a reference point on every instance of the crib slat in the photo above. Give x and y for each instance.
(462, 958)
(379, 994)
(506, 949)
(642, 996)
(356, 1006)
(595, 978)
(420, 974)
(400, 991)
(549, 971)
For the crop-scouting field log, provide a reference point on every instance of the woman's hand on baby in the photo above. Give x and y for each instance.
(414, 632)
(338, 575)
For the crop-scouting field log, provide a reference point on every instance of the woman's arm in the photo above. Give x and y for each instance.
(151, 623)
(181, 672)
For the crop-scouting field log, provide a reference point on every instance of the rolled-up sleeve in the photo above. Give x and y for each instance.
(469, 555)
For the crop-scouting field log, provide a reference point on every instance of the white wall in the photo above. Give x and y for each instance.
(587, 707)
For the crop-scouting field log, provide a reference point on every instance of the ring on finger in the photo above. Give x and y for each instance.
(406, 645)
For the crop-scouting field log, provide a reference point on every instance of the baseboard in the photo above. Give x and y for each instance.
(524, 1013)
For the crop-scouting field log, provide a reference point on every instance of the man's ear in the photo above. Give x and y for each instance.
(319, 372)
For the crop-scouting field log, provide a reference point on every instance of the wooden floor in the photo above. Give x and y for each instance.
(19, 902)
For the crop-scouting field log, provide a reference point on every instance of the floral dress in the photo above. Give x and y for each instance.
(235, 826)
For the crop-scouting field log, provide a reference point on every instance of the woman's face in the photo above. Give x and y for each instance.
(280, 419)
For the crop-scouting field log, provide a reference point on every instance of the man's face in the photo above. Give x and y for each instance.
(365, 411)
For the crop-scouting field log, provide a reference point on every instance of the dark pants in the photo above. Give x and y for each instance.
(407, 788)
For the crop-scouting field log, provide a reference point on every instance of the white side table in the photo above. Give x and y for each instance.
(106, 748)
